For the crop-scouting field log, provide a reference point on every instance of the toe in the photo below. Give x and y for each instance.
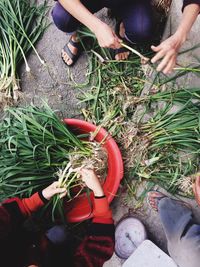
(69, 61)
(66, 58)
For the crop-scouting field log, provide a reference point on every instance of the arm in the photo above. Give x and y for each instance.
(98, 245)
(105, 35)
(26, 206)
(167, 51)
(14, 211)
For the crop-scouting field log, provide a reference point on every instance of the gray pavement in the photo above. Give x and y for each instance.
(52, 82)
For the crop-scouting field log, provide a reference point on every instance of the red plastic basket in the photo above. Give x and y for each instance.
(80, 208)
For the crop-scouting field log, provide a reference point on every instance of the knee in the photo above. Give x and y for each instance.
(139, 24)
(58, 234)
(61, 18)
(139, 35)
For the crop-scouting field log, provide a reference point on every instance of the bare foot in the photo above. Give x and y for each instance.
(123, 55)
(153, 199)
(72, 48)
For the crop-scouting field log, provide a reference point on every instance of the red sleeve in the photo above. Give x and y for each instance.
(26, 205)
(98, 246)
(14, 211)
(102, 212)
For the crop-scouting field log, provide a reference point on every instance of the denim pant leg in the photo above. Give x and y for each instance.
(65, 22)
(183, 244)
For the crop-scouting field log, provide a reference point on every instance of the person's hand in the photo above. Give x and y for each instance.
(196, 189)
(106, 37)
(90, 179)
(167, 52)
(52, 190)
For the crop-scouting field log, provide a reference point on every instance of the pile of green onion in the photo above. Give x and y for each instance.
(22, 22)
(36, 148)
(172, 146)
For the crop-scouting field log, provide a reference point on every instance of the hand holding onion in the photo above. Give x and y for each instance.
(90, 179)
(54, 189)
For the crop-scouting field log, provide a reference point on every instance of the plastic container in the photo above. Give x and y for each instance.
(80, 208)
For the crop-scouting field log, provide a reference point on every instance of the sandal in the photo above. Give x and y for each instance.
(153, 198)
(120, 50)
(72, 56)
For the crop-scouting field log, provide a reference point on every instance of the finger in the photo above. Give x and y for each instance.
(197, 181)
(116, 45)
(117, 42)
(59, 190)
(197, 184)
(156, 48)
(82, 172)
(164, 61)
(111, 46)
(117, 39)
(170, 66)
(194, 189)
(77, 169)
(158, 56)
(54, 185)
(63, 194)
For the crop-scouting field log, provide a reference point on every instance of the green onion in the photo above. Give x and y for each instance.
(36, 148)
(21, 24)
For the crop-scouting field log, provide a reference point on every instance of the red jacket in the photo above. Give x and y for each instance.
(96, 248)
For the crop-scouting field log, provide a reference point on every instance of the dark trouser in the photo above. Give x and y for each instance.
(135, 14)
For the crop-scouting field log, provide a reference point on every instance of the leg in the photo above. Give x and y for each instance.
(63, 19)
(182, 235)
(59, 241)
(68, 24)
(137, 18)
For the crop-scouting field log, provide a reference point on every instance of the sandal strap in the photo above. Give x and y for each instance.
(72, 56)
(120, 50)
(74, 44)
(69, 52)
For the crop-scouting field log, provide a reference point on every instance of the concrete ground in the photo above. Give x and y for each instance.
(53, 83)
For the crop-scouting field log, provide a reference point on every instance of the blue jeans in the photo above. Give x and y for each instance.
(135, 14)
(183, 235)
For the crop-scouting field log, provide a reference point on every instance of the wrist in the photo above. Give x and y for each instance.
(42, 197)
(96, 25)
(180, 35)
(98, 193)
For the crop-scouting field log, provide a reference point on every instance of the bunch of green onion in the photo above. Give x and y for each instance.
(35, 149)
(22, 22)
